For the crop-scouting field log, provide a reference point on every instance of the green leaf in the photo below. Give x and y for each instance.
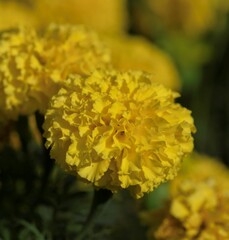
(29, 228)
(4, 231)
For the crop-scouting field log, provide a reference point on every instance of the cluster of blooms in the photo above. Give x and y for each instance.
(113, 129)
(198, 208)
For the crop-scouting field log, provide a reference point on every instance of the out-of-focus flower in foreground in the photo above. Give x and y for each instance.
(118, 130)
(136, 53)
(33, 67)
(102, 15)
(199, 207)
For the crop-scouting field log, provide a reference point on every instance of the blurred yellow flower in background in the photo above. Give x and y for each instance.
(18, 69)
(102, 15)
(188, 16)
(137, 53)
(14, 13)
(74, 49)
(199, 207)
(33, 67)
(193, 167)
(118, 130)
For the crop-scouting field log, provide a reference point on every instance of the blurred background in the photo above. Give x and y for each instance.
(186, 41)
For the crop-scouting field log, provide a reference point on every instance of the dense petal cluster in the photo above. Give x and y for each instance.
(118, 130)
(32, 66)
(137, 53)
(189, 16)
(19, 67)
(102, 15)
(199, 203)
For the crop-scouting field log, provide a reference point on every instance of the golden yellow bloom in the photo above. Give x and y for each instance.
(136, 53)
(102, 15)
(118, 130)
(199, 203)
(193, 168)
(74, 49)
(18, 68)
(13, 13)
(192, 17)
(33, 67)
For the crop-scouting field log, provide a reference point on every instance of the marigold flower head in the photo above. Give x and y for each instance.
(102, 15)
(74, 49)
(188, 16)
(136, 53)
(118, 130)
(32, 67)
(18, 68)
(198, 207)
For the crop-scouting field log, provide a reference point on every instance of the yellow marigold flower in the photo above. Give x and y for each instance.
(33, 67)
(13, 13)
(199, 203)
(136, 53)
(118, 130)
(188, 16)
(74, 49)
(193, 168)
(102, 15)
(18, 68)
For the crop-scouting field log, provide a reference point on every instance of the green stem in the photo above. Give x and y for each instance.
(47, 162)
(100, 197)
(24, 132)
